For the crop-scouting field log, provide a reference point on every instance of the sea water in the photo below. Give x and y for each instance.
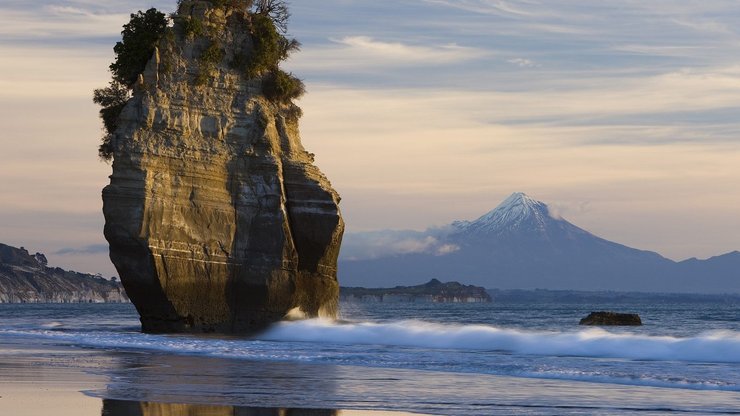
(478, 358)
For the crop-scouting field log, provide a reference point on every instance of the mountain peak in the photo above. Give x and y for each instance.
(515, 211)
(520, 200)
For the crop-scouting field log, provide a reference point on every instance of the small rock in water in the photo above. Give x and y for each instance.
(611, 318)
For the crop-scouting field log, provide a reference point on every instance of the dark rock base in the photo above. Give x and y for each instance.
(612, 318)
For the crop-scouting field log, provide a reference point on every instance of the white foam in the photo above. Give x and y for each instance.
(716, 346)
(369, 344)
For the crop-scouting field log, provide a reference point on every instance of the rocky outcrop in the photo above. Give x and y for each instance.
(25, 278)
(216, 216)
(611, 318)
(432, 291)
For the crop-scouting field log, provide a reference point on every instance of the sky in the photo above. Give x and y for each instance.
(623, 116)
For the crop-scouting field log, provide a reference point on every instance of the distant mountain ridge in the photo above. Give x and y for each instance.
(26, 278)
(521, 245)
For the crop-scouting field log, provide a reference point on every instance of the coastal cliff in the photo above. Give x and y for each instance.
(26, 278)
(432, 291)
(216, 216)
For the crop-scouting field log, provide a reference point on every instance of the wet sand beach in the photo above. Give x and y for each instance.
(40, 378)
(55, 380)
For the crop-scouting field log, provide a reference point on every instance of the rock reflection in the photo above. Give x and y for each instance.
(134, 408)
(161, 378)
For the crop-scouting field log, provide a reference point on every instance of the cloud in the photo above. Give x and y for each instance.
(385, 243)
(678, 107)
(44, 22)
(399, 52)
(365, 52)
(58, 23)
(523, 63)
(421, 120)
(525, 8)
(445, 249)
(91, 249)
(563, 209)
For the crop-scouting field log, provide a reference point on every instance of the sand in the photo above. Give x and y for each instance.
(55, 380)
(37, 381)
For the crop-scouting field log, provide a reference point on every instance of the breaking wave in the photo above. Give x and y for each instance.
(709, 347)
(715, 346)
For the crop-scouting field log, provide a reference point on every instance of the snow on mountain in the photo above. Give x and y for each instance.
(515, 212)
(521, 245)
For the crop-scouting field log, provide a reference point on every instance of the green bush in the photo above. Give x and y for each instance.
(267, 46)
(105, 150)
(112, 99)
(276, 10)
(270, 47)
(239, 62)
(244, 4)
(193, 27)
(212, 56)
(282, 87)
(209, 59)
(133, 52)
(139, 37)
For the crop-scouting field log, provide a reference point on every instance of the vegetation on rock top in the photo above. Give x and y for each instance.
(267, 21)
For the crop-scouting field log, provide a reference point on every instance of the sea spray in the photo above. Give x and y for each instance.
(707, 361)
(712, 346)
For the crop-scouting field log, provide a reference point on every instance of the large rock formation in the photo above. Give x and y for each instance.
(26, 278)
(217, 218)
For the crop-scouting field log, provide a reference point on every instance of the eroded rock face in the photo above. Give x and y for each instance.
(217, 218)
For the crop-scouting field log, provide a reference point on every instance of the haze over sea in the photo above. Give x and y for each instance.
(454, 359)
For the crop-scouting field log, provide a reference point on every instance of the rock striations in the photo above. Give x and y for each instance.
(216, 216)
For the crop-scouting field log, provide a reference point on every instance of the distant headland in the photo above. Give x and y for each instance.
(432, 291)
(26, 278)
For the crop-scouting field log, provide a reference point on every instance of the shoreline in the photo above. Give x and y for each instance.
(38, 377)
(50, 379)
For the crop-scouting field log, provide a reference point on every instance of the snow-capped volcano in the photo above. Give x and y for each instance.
(515, 212)
(519, 244)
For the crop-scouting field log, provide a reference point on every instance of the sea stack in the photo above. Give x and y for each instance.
(216, 216)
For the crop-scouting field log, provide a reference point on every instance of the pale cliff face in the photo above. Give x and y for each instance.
(26, 278)
(216, 216)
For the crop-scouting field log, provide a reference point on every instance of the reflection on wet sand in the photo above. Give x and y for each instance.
(165, 378)
(134, 408)
(149, 384)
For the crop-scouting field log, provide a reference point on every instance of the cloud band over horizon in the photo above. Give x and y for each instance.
(422, 112)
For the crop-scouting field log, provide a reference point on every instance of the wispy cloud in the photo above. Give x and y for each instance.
(365, 52)
(370, 245)
(520, 8)
(445, 108)
(523, 63)
(91, 249)
(399, 52)
(61, 21)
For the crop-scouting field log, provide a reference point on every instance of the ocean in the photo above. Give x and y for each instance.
(529, 358)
